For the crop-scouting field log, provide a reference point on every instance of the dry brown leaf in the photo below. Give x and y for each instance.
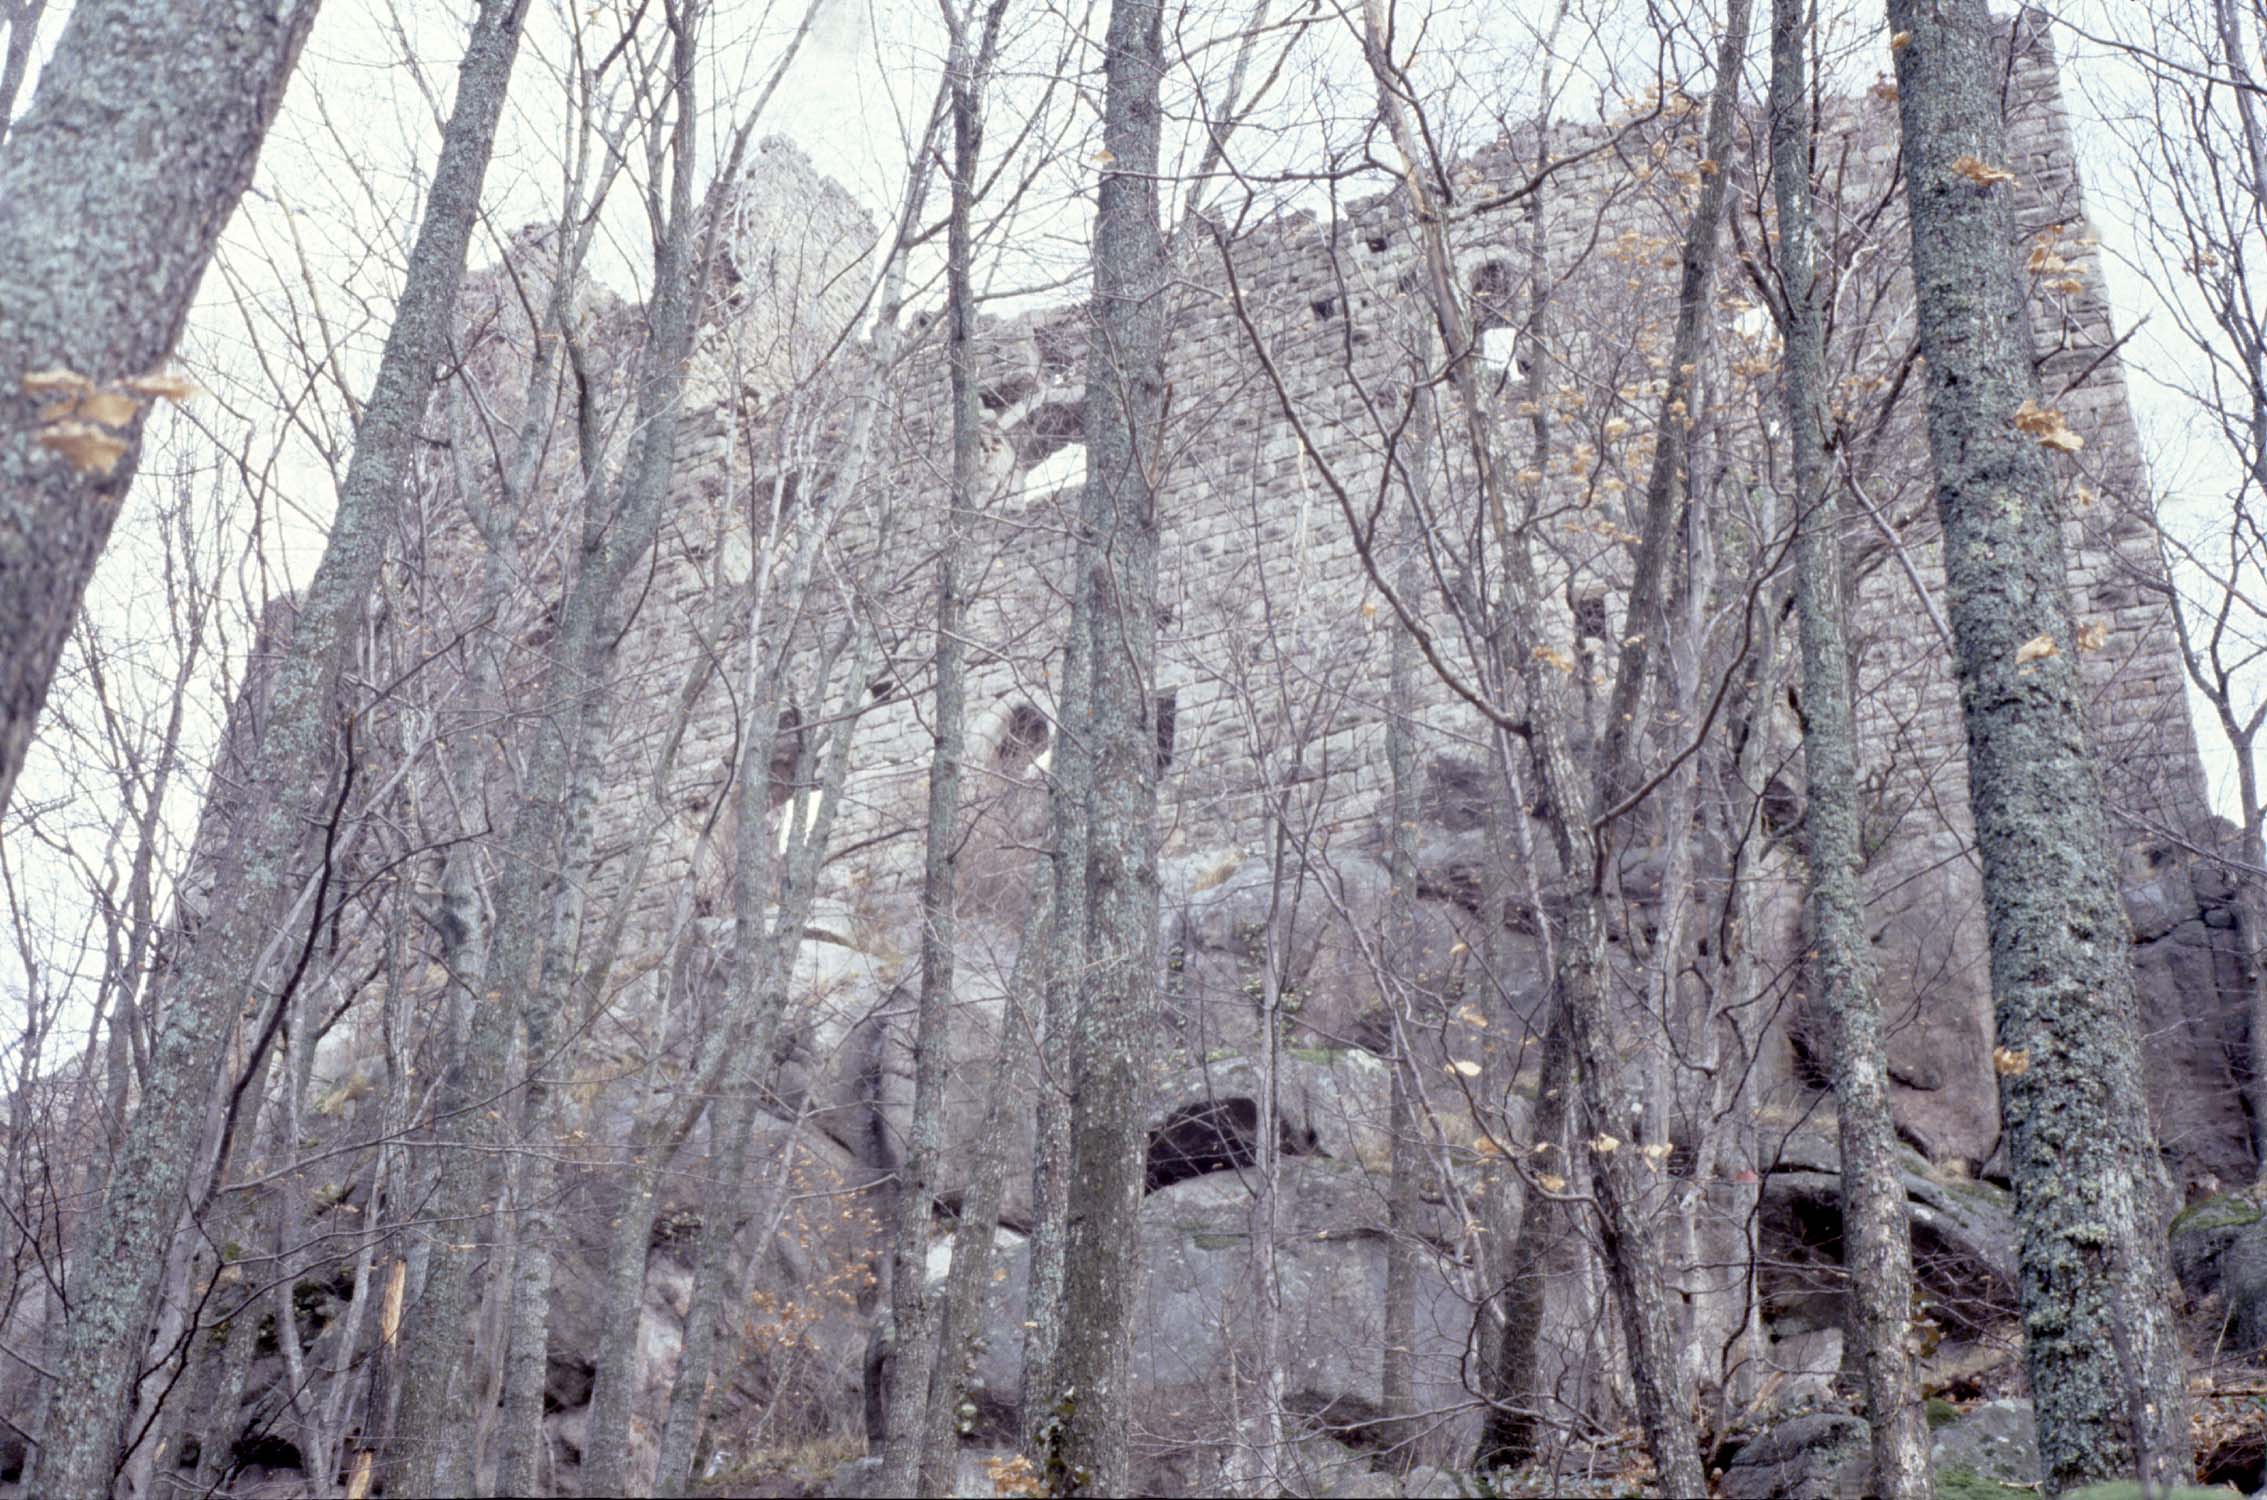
(56, 382)
(365, 1470)
(1486, 1146)
(110, 408)
(1556, 658)
(2046, 424)
(2037, 648)
(2044, 261)
(1885, 91)
(2010, 1062)
(2069, 286)
(159, 386)
(1604, 1145)
(2093, 635)
(1465, 1067)
(1901, 41)
(84, 446)
(1981, 172)
(1550, 1182)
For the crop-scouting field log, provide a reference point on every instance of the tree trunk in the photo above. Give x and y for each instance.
(141, 137)
(960, 1318)
(1125, 398)
(763, 968)
(913, 1312)
(1511, 1427)
(1877, 1247)
(289, 775)
(1397, 1375)
(1620, 1185)
(1070, 771)
(2099, 1342)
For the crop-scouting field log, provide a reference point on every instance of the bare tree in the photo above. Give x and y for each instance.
(2198, 204)
(1116, 609)
(290, 779)
(1878, 1245)
(910, 1461)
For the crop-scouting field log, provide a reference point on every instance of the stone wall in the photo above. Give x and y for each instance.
(1287, 384)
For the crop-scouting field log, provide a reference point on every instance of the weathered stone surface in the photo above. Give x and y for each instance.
(1933, 973)
(1822, 1456)
(1964, 1238)
(2189, 977)
(1998, 1440)
(1806, 1365)
(2219, 1251)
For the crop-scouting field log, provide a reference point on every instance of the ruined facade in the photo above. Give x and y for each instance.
(1275, 639)
(1291, 451)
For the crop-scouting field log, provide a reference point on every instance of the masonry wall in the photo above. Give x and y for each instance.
(1288, 381)
(1275, 639)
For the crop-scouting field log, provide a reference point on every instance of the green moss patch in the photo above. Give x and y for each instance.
(1954, 1483)
(2224, 1212)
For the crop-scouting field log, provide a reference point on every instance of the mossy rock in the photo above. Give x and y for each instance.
(2128, 1489)
(2219, 1248)
(1956, 1483)
(1942, 1413)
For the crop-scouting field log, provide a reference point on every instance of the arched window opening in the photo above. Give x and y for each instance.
(1024, 743)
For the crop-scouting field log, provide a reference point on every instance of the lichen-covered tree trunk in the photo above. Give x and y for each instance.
(2099, 1341)
(1125, 399)
(1877, 1244)
(117, 182)
(290, 771)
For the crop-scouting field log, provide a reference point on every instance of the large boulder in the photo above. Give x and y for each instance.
(1964, 1237)
(1205, 1297)
(1200, 1329)
(1997, 1440)
(1932, 959)
(2219, 1252)
(1330, 930)
(1820, 1456)
(2188, 969)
